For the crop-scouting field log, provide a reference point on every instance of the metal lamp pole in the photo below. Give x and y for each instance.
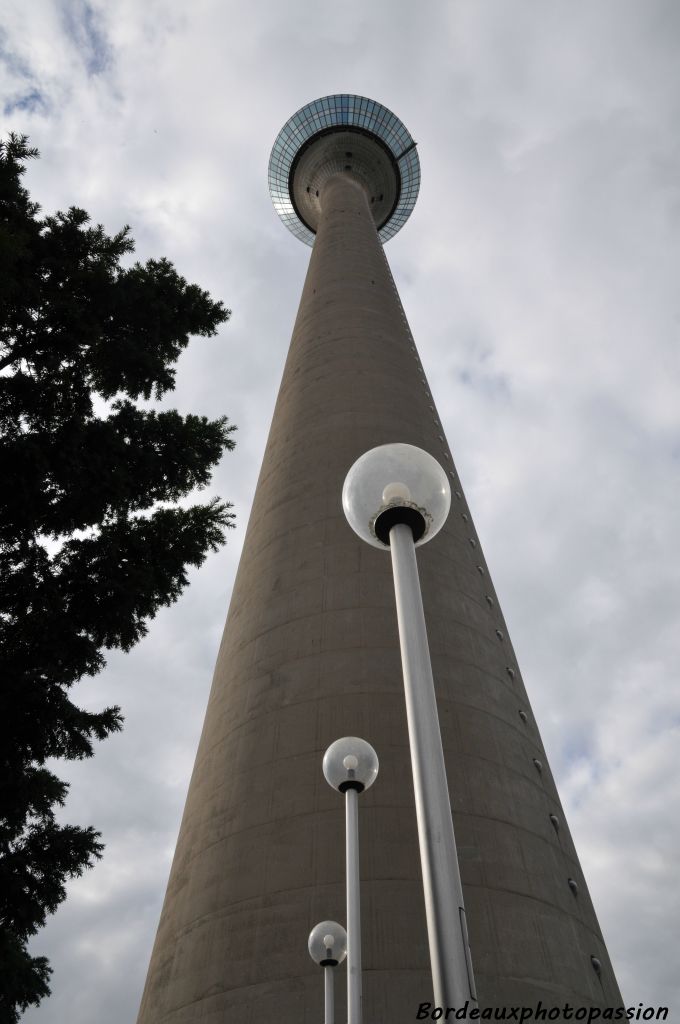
(354, 994)
(328, 993)
(447, 930)
(400, 515)
(350, 765)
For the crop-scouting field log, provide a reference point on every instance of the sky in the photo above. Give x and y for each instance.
(539, 273)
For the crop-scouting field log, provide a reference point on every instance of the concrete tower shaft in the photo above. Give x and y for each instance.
(311, 652)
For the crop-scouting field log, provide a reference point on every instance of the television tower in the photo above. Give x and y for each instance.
(311, 652)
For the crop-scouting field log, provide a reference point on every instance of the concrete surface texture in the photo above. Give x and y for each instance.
(310, 653)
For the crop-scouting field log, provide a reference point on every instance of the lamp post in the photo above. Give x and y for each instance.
(327, 946)
(397, 496)
(350, 765)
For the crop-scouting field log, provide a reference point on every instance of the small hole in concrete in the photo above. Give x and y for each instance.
(523, 715)
(555, 822)
(537, 765)
(573, 886)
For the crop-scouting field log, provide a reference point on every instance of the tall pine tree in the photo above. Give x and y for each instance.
(92, 540)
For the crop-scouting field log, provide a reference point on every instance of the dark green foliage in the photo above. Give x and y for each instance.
(92, 541)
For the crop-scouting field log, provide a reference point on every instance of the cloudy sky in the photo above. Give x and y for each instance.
(539, 272)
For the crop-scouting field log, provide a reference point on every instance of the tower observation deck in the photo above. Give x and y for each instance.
(343, 135)
(310, 653)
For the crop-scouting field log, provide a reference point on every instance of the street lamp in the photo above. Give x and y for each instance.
(328, 947)
(397, 496)
(350, 765)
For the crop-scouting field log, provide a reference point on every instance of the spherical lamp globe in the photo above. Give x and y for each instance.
(328, 943)
(396, 483)
(350, 763)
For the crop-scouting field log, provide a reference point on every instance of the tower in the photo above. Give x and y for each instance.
(310, 652)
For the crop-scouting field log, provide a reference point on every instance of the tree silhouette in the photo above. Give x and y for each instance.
(92, 538)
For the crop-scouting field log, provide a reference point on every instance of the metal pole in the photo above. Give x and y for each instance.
(329, 1015)
(353, 912)
(452, 976)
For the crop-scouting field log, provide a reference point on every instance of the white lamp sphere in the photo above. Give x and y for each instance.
(324, 952)
(350, 763)
(393, 477)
